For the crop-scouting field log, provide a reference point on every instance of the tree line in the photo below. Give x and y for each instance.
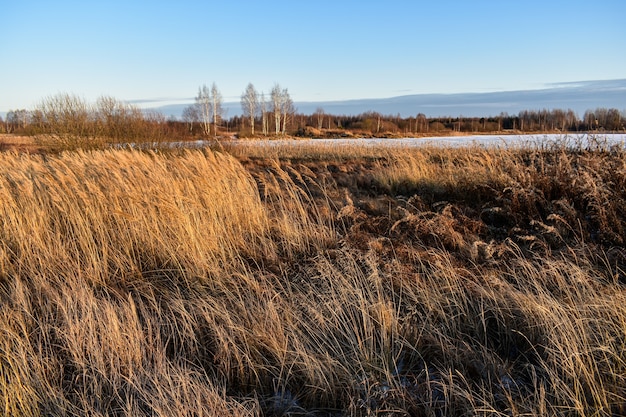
(274, 114)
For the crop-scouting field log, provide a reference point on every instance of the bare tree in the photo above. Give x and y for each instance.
(264, 121)
(16, 119)
(319, 114)
(421, 122)
(613, 120)
(9, 125)
(283, 108)
(109, 116)
(276, 97)
(203, 105)
(288, 110)
(250, 104)
(67, 114)
(191, 116)
(216, 107)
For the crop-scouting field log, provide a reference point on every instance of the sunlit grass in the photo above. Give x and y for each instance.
(308, 281)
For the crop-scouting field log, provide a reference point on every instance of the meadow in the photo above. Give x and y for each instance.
(296, 281)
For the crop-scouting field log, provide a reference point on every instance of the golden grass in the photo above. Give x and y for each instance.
(426, 282)
(305, 149)
(19, 143)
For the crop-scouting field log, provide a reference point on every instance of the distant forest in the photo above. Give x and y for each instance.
(66, 114)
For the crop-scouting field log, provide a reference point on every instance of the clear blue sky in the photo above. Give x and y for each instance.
(319, 50)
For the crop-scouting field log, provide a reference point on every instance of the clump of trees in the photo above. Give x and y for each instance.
(17, 120)
(276, 115)
(69, 119)
(206, 111)
(282, 107)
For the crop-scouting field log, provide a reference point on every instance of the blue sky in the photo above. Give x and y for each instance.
(319, 50)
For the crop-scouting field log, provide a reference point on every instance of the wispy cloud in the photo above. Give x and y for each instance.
(592, 85)
(160, 101)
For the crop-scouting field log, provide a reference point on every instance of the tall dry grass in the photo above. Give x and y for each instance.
(104, 256)
(576, 190)
(139, 283)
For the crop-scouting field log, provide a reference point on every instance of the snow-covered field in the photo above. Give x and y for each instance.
(581, 140)
(584, 140)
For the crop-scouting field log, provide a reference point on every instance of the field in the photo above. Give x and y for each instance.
(306, 281)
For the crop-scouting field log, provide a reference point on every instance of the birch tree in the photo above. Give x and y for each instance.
(283, 108)
(288, 110)
(276, 97)
(216, 107)
(203, 105)
(250, 104)
(264, 121)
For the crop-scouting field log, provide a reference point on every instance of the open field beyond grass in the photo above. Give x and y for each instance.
(422, 282)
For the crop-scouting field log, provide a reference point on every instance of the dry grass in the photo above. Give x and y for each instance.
(431, 282)
(305, 149)
(19, 143)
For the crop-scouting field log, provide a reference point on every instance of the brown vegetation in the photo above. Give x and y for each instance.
(347, 281)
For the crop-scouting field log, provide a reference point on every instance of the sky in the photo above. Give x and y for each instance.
(162, 51)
